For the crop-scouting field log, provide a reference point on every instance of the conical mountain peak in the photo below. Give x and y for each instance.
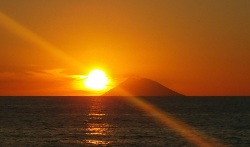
(141, 87)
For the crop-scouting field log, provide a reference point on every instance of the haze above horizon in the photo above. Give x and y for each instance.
(193, 47)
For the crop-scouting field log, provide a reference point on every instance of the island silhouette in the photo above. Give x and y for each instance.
(141, 87)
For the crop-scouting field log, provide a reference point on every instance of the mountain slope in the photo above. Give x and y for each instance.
(141, 87)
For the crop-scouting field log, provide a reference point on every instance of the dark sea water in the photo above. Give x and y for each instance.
(114, 121)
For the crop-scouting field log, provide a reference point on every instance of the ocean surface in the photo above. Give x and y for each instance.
(115, 121)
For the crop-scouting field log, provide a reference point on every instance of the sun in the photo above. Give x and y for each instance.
(96, 80)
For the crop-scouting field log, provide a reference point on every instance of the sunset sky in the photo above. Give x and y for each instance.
(194, 47)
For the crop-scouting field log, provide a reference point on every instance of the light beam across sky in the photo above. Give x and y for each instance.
(31, 37)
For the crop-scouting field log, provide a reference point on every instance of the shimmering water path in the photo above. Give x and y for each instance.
(114, 121)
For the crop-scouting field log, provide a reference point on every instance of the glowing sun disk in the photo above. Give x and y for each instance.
(96, 80)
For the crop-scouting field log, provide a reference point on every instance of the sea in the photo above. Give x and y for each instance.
(120, 121)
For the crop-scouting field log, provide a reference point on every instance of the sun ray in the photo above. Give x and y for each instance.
(28, 35)
(190, 133)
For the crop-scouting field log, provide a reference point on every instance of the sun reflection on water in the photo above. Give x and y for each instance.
(97, 129)
(97, 142)
(96, 125)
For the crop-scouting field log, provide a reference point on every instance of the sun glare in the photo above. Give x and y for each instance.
(96, 80)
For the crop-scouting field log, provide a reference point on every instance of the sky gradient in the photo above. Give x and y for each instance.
(194, 47)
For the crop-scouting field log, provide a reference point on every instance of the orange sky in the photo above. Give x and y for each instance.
(194, 47)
